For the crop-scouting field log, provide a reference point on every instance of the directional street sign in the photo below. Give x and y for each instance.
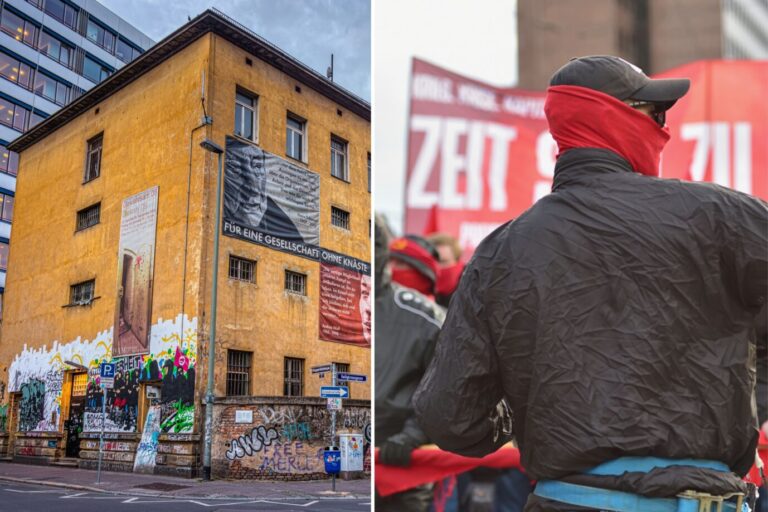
(356, 377)
(107, 375)
(334, 391)
(323, 368)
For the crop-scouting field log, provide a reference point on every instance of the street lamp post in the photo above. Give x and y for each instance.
(211, 146)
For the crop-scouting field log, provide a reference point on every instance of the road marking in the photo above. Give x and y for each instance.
(73, 495)
(31, 492)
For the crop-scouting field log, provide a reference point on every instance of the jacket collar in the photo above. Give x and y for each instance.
(581, 165)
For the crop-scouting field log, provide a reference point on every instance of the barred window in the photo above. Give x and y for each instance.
(339, 159)
(242, 269)
(339, 217)
(295, 282)
(238, 373)
(343, 368)
(293, 384)
(88, 217)
(81, 294)
(93, 160)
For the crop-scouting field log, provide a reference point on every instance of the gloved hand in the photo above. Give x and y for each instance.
(396, 451)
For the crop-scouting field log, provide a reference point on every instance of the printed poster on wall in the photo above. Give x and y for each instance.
(270, 201)
(479, 155)
(345, 299)
(135, 262)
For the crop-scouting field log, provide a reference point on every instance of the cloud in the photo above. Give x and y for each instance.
(309, 30)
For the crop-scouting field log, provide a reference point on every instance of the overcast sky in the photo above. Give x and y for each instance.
(476, 39)
(309, 30)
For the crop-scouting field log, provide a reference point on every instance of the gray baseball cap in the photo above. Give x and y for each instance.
(622, 80)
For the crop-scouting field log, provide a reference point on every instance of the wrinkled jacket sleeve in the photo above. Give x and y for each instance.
(745, 255)
(461, 387)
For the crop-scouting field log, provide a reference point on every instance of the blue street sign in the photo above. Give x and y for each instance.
(334, 391)
(356, 377)
(325, 368)
(107, 370)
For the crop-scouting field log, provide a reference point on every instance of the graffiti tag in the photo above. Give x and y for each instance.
(251, 443)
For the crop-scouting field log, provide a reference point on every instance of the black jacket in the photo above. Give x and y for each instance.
(407, 325)
(616, 316)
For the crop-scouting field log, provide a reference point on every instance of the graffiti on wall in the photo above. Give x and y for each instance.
(3, 417)
(32, 405)
(172, 358)
(146, 451)
(287, 439)
(249, 444)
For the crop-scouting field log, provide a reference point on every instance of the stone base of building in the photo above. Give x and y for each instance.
(36, 447)
(177, 454)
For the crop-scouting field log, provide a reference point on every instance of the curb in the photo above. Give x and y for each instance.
(78, 487)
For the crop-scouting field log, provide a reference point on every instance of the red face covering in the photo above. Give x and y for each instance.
(583, 118)
(412, 278)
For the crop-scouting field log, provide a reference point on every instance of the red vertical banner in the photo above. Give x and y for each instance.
(345, 299)
(478, 155)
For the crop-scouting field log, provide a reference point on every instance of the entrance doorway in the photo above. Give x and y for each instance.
(74, 424)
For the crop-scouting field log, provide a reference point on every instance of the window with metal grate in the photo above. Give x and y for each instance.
(242, 269)
(295, 282)
(88, 217)
(81, 294)
(339, 217)
(293, 377)
(238, 373)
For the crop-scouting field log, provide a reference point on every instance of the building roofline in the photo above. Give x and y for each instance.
(210, 20)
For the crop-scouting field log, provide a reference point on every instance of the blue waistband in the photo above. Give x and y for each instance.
(610, 500)
(623, 465)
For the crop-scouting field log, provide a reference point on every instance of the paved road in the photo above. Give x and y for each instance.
(38, 498)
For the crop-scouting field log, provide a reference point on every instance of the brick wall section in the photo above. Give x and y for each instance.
(284, 441)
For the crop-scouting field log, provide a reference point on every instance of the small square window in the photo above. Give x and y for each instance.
(245, 115)
(295, 282)
(339, 167)
(293, 384)
(295, 129)
(339, 217)
(242, 269)
(81, 294)
(93, 160)
(238, 373)
(88, 217)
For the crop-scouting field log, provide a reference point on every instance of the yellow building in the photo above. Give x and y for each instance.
(113, 245)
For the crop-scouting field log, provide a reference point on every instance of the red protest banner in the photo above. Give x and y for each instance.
(479, 155)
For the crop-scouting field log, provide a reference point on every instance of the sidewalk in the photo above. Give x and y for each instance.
(171, 487)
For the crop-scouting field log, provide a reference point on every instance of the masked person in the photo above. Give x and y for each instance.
(407, 325)
(414, 264)
(616, 316)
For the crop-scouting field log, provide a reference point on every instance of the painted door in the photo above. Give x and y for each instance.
(74, 424)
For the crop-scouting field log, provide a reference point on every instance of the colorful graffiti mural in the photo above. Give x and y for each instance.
(38, 374)
(283, 439)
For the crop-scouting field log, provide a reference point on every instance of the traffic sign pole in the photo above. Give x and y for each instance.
(101, 436)
(333, 422)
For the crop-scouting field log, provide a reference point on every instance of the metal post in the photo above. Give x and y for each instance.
(101, 436)
(333, 424)
(210, 146)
